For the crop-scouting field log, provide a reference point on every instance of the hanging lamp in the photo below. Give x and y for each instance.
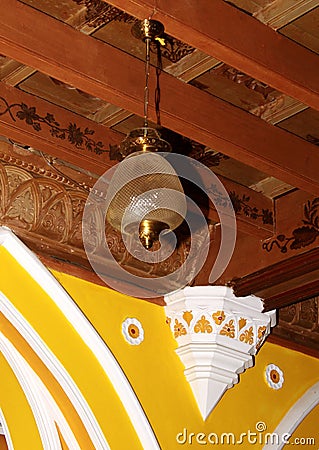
(138, 191)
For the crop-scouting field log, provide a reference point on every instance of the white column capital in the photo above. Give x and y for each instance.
(217, 335)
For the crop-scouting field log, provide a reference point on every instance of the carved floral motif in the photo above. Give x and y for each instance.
(211, 348)
(205, 155)
(100, 13)
(219, 322)
(302, 236)
(247, 336)
(81, 139)
(174, 49)
(228, 329)
(241, 205)
(274, 376)
(241, 78)
(203, 326)
(241, 323)
(179, 329)
(133, 331)
(218, 317)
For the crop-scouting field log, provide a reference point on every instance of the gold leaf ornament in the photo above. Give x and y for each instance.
(203, 326)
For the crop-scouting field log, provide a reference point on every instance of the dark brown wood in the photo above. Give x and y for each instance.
(116, 77)
(292, 295)
(293, 279)
(280, 272)
(245, 43)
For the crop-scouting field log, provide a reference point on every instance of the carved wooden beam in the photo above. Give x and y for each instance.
(54, 130)
(202, 25)
(210, 121)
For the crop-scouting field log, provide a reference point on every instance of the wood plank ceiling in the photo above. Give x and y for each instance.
(239, 87)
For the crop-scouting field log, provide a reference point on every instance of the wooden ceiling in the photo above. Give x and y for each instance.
(240, 85)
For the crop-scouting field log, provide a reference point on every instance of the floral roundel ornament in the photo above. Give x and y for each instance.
(133, 331)
(274, 376)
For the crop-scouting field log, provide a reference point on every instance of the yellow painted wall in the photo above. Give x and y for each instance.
(153, 369)
(156, 372)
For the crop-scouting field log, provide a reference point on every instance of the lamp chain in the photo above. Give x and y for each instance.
(147, 76)
(159, 68)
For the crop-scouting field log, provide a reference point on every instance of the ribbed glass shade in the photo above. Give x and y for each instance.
(139, 191)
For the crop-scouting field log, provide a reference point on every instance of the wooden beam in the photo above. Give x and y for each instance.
(283, 283)
(31, 121)
(214, 27)
(24, 36)
(254, 212)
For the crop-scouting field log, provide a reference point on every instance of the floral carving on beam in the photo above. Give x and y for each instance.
(81, 139)
(217, 335)
(241, 205)
(301, 236)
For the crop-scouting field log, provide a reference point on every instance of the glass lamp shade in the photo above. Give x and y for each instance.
(145, 191)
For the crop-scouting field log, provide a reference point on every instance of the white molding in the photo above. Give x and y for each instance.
(90, 337)
(46, 427)
(217, 335)
(46, 412)
(303, 406)
(57, 370)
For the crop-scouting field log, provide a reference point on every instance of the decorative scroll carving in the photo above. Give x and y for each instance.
(81, 139)
(300, 323)
(302, 236)
(241, 78)
(174, 49)
(100, 13)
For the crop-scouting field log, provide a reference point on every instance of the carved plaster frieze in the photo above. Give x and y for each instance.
(47, 208)
(217, 335)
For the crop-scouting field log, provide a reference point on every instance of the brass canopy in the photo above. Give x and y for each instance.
(143, 139)
(147, 29)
